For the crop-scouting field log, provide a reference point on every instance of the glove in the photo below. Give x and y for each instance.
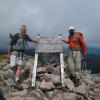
(84, 56)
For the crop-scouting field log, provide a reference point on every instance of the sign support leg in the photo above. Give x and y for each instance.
(62, 69)
(34, 70)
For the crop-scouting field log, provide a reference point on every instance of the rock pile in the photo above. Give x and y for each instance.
(48, 84)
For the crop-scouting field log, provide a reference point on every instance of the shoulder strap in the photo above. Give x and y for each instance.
(76, 35)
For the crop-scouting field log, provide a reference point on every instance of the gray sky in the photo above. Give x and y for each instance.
(50, 17)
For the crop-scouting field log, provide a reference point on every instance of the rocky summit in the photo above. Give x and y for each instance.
(48, 84)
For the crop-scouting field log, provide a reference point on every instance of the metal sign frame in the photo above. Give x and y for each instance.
(57, 42)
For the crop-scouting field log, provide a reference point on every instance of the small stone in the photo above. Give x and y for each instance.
(53, 70)
(69, 96)
(6, 67)
(41, 70)
(15, 98)
(91, 93)
(25, 86)
(50, 94)
(52, 78)
(96, 90)
(20, 93)
(10, 82)
(45, 86)
(37, 93)
(83, 89)
(69, 84)
(31, 98)
(38, 84)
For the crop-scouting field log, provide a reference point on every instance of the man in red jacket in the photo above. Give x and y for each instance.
(77, 49)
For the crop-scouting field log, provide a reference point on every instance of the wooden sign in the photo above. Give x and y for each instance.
(49, 45)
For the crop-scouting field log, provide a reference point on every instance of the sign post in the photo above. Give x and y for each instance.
(49, 45)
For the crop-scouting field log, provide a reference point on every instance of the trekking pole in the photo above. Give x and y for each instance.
(82, 65)
(85, 66)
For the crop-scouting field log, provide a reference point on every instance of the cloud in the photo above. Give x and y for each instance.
(50, 17)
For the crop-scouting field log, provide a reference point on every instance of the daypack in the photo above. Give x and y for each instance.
(18, 42)
(76, 35)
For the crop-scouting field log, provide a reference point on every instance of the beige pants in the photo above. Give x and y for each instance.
(74, 61)
(14, 60)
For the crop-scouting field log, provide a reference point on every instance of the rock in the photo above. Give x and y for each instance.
(10, 82)
(46, 86)
(0, 67)
(40, 75)
(38, 94)
(58, 96)
(41, 70)
(96, 79)
(31, 98)
(88, 80)
(20, 93)
(53, 70)
(38, 84)
(45, 98)
(7, 67)
(4, 87)
(29, 64)
(27, 81)
(52, 78)
(91, 87)
(15, 98)
(1, 75)
(25, 86)
(65, 96)
(69, 84)
(96, 90)
(7, 74)
(69, 96)
(50, 94)
(52, 65)
(83, 89)
(96, 98)
(3, 63)
(91, 93)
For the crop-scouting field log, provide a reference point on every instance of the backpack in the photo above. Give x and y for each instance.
(18, 42)
(76, 35)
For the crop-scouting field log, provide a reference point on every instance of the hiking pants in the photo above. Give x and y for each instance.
(74, 61)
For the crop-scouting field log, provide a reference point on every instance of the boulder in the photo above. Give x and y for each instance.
(38, 94)
(65, 96)
(41, 70)
(20, 93)
(53, 70)
(69, 84)
(10, 82)
(52, 78)
(50, 94)
(46, 86)
(8, 66)
(82, 89)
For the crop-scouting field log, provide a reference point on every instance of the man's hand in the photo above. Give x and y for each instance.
(84, 56)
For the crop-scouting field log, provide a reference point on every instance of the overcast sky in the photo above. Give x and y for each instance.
(50, 17)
